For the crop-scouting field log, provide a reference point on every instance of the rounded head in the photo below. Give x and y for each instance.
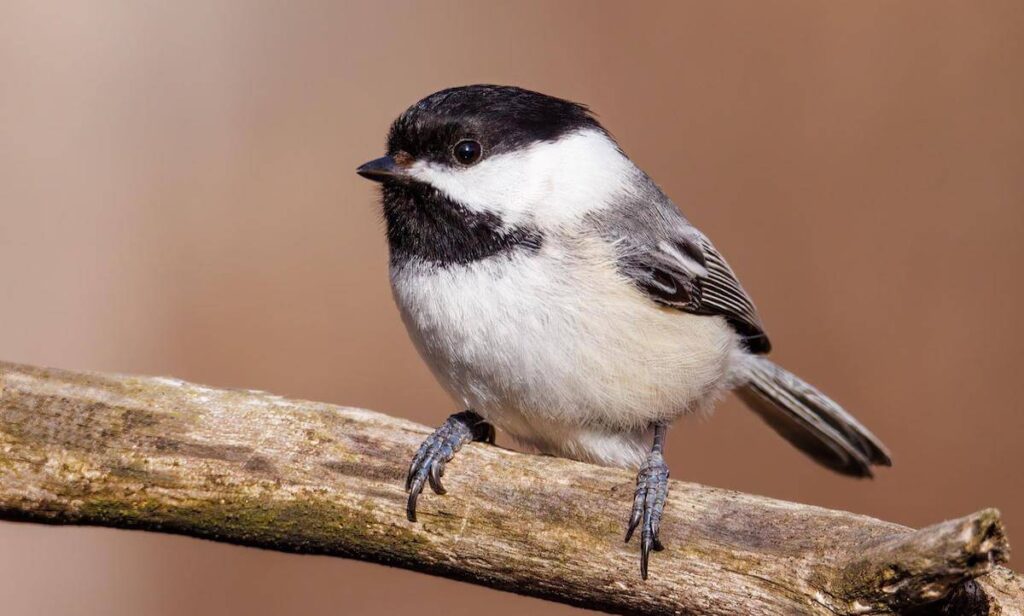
(518, 156)
(499, 119)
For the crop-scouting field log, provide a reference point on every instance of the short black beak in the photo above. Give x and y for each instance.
(380, 169)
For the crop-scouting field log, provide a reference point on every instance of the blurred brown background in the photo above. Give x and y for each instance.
(178, 198)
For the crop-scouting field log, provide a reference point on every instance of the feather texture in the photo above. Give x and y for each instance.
(674, 263)
(810, 420)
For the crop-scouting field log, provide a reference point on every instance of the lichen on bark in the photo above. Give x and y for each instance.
(255, 469)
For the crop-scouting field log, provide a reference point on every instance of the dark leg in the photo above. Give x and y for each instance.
(649, 500)
(439, 448)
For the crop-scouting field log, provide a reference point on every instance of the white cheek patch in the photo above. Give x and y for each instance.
(548, 183)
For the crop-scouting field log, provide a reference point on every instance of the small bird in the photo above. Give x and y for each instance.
(559, 295)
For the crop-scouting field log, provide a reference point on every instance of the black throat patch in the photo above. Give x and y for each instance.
(423, 223)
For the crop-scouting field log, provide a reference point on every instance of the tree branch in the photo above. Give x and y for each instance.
(255, 469)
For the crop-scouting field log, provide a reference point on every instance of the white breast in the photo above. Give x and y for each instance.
(560, 351)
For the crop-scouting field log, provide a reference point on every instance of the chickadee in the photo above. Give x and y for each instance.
(559, 295)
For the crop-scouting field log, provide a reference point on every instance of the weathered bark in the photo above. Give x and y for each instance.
(255, 469)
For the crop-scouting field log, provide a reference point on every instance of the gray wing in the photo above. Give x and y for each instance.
(676, 265)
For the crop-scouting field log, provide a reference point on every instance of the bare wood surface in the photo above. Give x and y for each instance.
(255, 469)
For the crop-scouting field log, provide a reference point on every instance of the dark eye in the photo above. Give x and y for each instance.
(467, 151)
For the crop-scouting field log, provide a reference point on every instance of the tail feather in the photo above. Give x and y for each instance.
(811, 421)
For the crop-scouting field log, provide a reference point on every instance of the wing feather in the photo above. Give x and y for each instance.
(674, 263)
(723, 294)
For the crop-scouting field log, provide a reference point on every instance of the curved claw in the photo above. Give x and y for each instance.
(648, 506)
(416, 459)
(425, 469)
(645, 555)
(437, 450)
(638, 504)
(634, 521)
(436, 470)
(414, 493)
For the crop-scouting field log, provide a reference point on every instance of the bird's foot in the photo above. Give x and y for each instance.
(648, 504)
(439, 448)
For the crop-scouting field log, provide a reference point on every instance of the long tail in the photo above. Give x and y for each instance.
(810, 420)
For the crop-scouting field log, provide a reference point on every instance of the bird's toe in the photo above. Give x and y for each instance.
(648, 506)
